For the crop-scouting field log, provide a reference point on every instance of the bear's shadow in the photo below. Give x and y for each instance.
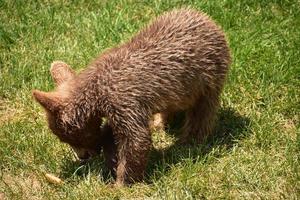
(230, 127)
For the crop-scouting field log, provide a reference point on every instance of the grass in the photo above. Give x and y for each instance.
(255, 152)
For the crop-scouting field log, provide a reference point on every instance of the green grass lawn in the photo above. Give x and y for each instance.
(255, 153)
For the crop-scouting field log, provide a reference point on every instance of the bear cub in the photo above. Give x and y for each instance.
(178, 63)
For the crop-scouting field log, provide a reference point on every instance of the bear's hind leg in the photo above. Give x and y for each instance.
(200, 119)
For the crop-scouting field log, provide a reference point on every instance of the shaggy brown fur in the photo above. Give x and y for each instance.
(178, 63)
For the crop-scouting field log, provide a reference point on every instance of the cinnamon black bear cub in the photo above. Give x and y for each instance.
(177, 63)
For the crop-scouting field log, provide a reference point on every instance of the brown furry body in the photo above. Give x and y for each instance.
(178, 63)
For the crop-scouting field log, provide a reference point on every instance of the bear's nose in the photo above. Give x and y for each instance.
(84, 156)
(81, 154)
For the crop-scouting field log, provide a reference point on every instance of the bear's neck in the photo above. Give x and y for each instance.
(88, 97)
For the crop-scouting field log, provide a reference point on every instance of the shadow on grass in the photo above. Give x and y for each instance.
(231, 127)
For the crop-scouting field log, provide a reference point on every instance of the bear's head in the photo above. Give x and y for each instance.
(86, 140)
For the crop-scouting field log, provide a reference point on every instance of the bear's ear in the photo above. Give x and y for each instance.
(49, 100)
(61, 72)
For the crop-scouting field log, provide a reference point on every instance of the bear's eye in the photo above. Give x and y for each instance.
(62, 140)
(65, 140)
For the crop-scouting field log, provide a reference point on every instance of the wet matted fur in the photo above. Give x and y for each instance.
(177, 63)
